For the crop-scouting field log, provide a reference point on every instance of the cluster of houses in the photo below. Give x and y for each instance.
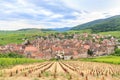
(64, 46)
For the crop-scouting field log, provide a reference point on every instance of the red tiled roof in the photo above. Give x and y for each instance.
(57, 49)
(86, 46)
(75, 52)
(31, 48)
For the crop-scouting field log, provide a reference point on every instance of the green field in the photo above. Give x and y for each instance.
(7, 62)
(79, 31)
(105, 59)
(113, 33)
(9, 37)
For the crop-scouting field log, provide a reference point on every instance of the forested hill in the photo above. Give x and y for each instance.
(34, 29)
(101, 25)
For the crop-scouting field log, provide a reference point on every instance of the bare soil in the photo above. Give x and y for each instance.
(62, 70)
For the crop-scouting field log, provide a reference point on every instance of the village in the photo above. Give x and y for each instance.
(64, 46)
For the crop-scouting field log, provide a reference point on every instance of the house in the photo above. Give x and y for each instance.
(37, 56)
(118, 47)
(0, 47)
(86, 46)
(30, 50)
(68, 57)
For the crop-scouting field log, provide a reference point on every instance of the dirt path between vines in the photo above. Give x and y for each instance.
(65, 70)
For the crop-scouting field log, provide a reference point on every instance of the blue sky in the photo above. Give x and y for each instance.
(18, 14)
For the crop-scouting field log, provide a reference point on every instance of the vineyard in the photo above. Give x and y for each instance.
(62, 70)
(8, 62)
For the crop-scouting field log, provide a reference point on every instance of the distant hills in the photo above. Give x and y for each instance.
(49, 29)
(39, 30)
(101, 25)
(61, 29)
(34, 29)
(26, 30)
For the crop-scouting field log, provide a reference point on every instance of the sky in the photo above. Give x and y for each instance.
(19, 14)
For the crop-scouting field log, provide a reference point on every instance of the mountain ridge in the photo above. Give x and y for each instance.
(61, 29)
(101, 25)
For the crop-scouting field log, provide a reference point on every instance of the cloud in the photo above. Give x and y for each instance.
(91, 5)
(13, 25)
(15, 14)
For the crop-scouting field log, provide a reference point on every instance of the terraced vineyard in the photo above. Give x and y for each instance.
(62, 70)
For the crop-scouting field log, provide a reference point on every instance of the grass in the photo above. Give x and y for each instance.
(35, 79)
(46, 74)
(7, 62)
(9, 37)
(105, 59)
(113, 33)
(1, 73)
(68, 76)
(79, 31)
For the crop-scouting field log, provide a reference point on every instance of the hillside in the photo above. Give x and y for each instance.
(112, 33)
(34, 30)
(8, 37)
(61, 29)
(86, 25)
(101, 25)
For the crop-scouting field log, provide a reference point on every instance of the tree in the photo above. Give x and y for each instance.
(90, 52)
(117, 52)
